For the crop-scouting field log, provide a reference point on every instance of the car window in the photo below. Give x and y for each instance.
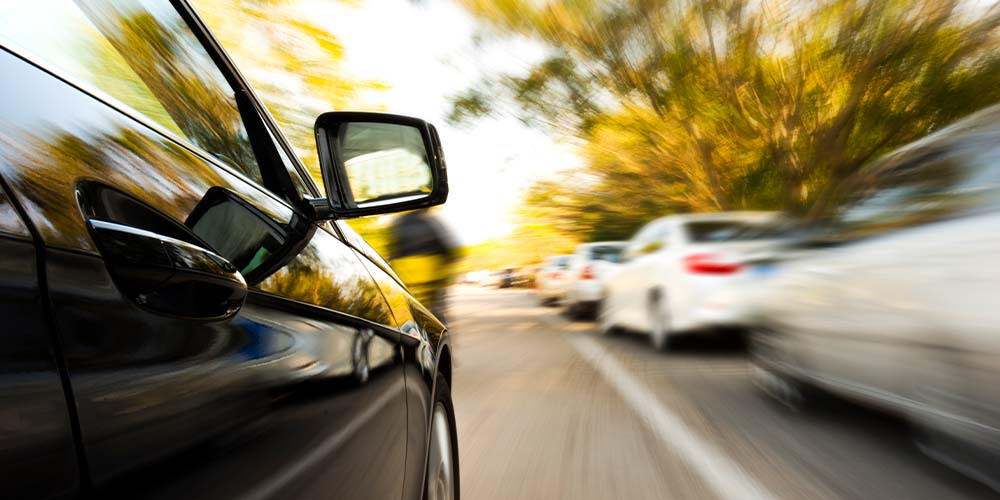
(928, 188)
(560, 262)
(645, 233)
(608, 253)
(979, 187)
(722, 230)
(649, 239)
(143, 54)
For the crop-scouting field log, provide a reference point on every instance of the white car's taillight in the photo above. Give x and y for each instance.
(707, 263)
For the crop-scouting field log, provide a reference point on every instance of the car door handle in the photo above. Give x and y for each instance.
(169, 276)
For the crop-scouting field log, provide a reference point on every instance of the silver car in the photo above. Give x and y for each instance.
(590, 264)
(552, 279)
(895, 302)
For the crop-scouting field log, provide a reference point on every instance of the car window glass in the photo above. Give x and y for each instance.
(652, 239)
(644, 234)
(980, 188)
(143, 54)
(608, 253)
(717, 231)
(640, 240)
(924, 190)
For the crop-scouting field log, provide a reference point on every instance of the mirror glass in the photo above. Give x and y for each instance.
(237, 231)
(384, 161)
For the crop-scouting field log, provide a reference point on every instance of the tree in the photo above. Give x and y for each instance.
(704, 105)
(292, 62)
(295, 66)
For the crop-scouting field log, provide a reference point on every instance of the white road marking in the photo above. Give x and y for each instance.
(726, 478)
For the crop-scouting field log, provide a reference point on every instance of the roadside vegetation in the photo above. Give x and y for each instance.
(709, 105)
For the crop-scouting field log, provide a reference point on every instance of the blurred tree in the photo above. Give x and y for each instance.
(293, 63)
(295, 66)
(710, 105)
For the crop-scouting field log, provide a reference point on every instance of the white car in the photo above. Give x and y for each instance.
(895, 300)
(552, 279)
(591, 263)
(674, 270)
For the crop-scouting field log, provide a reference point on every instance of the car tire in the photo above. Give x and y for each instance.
(442, 478)
(574, 311)
(605, 326)
(780, 387)
(660, 335)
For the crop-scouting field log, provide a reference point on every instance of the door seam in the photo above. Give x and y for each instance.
(57, 352)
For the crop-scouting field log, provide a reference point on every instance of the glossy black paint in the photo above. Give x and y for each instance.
(36, 438)
(317, 384)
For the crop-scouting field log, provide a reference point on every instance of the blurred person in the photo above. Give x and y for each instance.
(423, 252)
(508, 278)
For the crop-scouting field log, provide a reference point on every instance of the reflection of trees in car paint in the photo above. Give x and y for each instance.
(310, 278)
(92, 142)
(10, 222)
(167, 56)
(45, 169)
(143, 54)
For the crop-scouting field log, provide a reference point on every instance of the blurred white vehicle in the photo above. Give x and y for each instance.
(590, 264)
(758, 265)
(552, 279)
(895, 302)
(674, 269)
(475, 277)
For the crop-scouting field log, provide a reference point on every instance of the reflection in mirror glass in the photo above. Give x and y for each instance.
(384, 160)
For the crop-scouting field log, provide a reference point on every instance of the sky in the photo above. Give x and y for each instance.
(424, 52)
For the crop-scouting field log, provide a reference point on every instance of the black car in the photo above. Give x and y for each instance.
(184, 315)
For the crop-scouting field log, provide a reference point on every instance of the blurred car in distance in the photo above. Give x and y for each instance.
(894, 301)
(673, 267)
(551, 280)
(590, 263)
(491, 279)
(475, 277)
(506, 278)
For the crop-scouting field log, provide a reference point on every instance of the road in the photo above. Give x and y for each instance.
(547, 408)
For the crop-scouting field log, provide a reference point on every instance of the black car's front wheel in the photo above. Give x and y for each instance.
(442, 459)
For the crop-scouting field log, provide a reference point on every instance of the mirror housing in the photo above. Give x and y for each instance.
(377, 163)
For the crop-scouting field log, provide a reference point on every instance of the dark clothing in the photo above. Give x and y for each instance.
(418, 233)
(422, 251)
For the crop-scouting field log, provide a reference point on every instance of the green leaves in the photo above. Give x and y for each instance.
(708, 105)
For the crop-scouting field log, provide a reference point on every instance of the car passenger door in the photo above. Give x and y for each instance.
(157, 171)
(421, 334)
(36, 436)
(866, 327)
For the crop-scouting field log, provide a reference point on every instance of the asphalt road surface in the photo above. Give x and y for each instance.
(547, 408)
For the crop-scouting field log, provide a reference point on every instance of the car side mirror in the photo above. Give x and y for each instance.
(376, 163)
